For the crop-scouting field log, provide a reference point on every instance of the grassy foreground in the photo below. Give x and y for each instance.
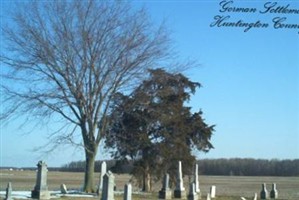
(228, 187)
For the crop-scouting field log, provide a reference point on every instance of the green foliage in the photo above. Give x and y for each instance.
(154, 127)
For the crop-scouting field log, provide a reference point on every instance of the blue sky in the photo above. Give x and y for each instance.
(250, 83)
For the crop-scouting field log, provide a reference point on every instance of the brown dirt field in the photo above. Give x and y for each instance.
(228, 187)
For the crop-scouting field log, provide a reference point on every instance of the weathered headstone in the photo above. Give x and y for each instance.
(213, 191)
(63, 189)
(274, 192)
(103, 172)
(192, 192)
(180, 191)
(108, 186)
(208, 196)
(165, 192)
(41, 189)
(8, 192)
(128, 192)
(196, 178)
(264, 192)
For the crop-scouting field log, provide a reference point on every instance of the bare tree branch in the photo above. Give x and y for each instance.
(67, 59)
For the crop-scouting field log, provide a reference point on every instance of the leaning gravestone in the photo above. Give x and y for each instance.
(103, 172)
(274, 192)
(8, 192)
(128, 192)
(192, 192)
(180, 191)
(41, 189)
(213, 191)
(63, 189)
(165, 192)
(264, 192)
(108, 186)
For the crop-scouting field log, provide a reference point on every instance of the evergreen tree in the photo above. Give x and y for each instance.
(154, 126)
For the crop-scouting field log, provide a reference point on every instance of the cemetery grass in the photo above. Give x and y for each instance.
(228, 187)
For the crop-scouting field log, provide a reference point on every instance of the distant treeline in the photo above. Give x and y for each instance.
(225, 167)
(116, 166)
(249, 167)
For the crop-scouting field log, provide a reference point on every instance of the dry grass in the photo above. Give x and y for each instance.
(228, 187)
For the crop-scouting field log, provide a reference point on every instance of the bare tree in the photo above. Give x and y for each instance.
(66, 60)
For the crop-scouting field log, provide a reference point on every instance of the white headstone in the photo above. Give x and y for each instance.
(63, 189)
(274, 192)
(103, 172)
(192, 193)
(208, 196)
(213, 191)
(128, 192)
(8, 192)
(108, 186)
(264, 192)
(196, 178)
(180, 183)
(41, 189)
(180, 191)
(165, 192)
(255, 196)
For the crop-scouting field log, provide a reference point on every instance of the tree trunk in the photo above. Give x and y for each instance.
(89, 172)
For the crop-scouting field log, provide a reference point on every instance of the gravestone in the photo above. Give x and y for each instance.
(192, 192)
(213, 191)
(41, 189)
(196, 178)
(108, 186)
(180, 191)
(63, 189)
(208, 196)
(128, 192)
(274, 192)
(103, 172)
(165, 192)
(8, 192)
(264, 192)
